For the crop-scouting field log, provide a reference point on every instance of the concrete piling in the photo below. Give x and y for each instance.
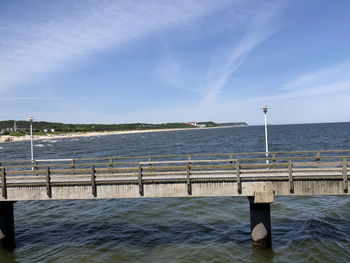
(7, 226)
(260, 223)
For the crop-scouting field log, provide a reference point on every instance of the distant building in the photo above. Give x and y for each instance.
(49, 130)
(195, 124)
(192, 123)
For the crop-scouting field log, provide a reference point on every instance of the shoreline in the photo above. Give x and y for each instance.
(9, 139)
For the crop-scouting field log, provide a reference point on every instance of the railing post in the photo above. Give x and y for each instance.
(290, 177)
(345, 175)
(48, 182)
(3, 183)
(73, 166)
(140, 180)
(238, 177)
(188, 177)
(93, 181)
(36, 167)
(274, 160)
(111, 165)
(318, 155)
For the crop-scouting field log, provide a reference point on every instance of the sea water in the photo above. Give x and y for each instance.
(304, 229)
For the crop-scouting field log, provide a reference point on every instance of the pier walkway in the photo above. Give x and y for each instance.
(252, 175)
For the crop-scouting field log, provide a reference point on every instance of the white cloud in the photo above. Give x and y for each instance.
(334, 73)
(32, 49)
(261, 24)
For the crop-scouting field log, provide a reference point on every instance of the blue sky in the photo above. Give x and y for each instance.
(98, 61)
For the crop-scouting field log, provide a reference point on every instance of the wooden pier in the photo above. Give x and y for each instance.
(297, 173)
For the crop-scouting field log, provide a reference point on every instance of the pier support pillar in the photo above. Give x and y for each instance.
(7, 226)
(260, 223)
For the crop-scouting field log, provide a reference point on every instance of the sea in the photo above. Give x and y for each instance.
(215, 229)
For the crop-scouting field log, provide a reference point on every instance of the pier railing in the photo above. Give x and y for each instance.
(188, 169)
(198, 175)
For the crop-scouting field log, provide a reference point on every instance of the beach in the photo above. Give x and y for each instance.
(8, 138)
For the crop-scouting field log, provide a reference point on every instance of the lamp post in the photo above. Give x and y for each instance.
(265, 108)
(31, 119)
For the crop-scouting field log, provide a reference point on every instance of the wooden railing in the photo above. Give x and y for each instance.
(189, 169)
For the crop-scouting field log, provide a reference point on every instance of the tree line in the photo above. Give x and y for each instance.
(7, 127)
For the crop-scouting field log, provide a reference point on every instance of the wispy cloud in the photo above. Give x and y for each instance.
(65, 99)
(13, 99)
(261, 24)
(331, 74)
(33, 48)
(307, 92)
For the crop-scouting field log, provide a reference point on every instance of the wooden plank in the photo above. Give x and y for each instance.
(184, 161)
(193, 155)
(93, 181)
(172, 169)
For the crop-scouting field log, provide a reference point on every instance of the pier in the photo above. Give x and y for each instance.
(297, 173)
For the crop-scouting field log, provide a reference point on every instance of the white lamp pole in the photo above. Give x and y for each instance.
(265, 108)
(30, 119)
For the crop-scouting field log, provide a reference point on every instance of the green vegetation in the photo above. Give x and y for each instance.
(208, 123)
(16, 133)
(233, 124)
(42, 127)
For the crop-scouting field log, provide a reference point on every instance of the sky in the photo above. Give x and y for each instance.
(155, 61)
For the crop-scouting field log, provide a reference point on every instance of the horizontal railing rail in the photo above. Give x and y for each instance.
(273, 155)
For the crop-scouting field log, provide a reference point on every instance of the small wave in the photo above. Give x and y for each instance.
(178, 144)
(50, 140)
(39, 145)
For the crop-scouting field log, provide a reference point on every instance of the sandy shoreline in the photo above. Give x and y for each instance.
(8, 139)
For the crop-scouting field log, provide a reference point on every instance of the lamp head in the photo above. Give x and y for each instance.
(31, 119)
(265, 108)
